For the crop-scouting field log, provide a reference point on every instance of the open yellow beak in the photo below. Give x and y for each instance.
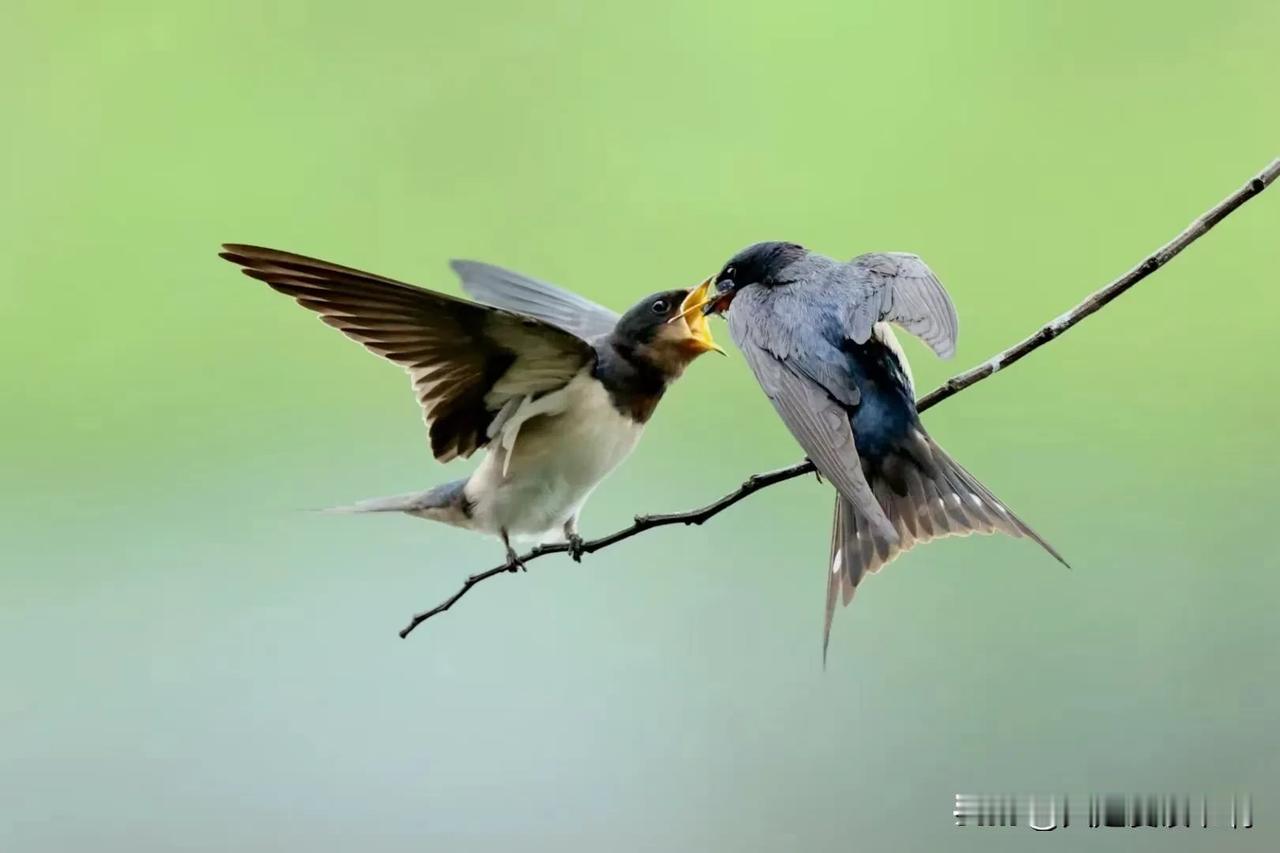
(691, 314)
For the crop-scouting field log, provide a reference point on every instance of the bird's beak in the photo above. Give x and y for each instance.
(692, 314)
(718, 303)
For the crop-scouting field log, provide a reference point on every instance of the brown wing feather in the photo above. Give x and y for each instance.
(465, 360)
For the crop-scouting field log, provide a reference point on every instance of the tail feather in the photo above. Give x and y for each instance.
(926, 495)
(846, 567)
(446, 502)
(390, 503)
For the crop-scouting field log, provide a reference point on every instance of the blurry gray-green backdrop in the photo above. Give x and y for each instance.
(193, 661)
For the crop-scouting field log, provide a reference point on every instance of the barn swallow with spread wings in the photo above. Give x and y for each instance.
(555, 388)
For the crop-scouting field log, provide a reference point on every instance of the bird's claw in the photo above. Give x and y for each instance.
(577, 547)
(514, 563)
(816, 474)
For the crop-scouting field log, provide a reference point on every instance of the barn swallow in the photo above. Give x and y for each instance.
(555, 388)
(816, 334)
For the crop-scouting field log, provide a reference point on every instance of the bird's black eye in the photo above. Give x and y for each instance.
(660, 306)
(729, 272)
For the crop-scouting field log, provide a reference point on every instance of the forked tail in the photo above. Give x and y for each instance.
(926, 495)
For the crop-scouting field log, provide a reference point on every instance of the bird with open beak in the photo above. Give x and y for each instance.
(816, 334)
(555, 388)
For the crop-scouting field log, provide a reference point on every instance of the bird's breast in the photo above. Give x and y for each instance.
(586, 440)
(555, 459)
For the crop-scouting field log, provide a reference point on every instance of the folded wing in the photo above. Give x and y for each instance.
(821, 425)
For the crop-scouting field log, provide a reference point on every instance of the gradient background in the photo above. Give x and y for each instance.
(192, 661)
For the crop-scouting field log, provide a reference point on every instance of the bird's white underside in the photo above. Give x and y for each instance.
(546, 458)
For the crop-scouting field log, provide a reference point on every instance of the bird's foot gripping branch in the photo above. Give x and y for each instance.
(956, 384)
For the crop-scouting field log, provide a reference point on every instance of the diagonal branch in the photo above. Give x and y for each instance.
(952, 386)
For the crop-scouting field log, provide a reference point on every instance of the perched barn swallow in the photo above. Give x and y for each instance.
(555, 388)
(815, 333)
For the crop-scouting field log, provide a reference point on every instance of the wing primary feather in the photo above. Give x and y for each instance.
(459, 355)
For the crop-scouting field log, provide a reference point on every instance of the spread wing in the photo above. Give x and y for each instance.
(466, 361)
(821, 425)
(902, 289)
(512, 291)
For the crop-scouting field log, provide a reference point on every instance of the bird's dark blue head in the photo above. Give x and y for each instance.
(760, 264)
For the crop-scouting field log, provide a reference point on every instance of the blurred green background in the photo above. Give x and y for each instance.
(193, 661)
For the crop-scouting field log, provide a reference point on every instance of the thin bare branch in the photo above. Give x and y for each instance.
(955, 385)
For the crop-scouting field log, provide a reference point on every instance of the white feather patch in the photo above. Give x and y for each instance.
(549, 404)
(884, 334)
